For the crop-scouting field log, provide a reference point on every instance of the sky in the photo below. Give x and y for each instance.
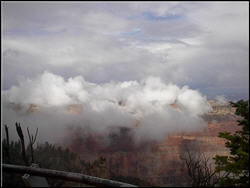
(204, 45)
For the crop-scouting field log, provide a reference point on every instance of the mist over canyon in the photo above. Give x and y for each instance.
(150, 107)
(141, 128)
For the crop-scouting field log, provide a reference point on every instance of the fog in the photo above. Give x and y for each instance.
(150, 107)
(221, 99)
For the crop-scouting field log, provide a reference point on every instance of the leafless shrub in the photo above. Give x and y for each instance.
(199, 166)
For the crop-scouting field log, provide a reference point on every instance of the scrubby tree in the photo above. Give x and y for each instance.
(199, 166)
(235, 167)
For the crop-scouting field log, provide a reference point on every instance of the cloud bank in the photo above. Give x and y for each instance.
(150, 107)
(221, 99)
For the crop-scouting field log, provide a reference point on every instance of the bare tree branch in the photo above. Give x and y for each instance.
(32, 141)
(7, 148)
(199, 168)
(20, 134)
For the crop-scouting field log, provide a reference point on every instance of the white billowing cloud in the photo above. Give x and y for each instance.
(47, 90)
(112, 104)
(185, 99)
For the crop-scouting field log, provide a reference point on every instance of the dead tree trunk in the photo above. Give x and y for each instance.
(20, 134)
(7, 148)
(32, 141)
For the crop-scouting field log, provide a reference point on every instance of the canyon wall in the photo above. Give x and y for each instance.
(160, 163)
(157, 162)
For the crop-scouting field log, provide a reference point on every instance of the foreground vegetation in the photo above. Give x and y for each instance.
(232, 170)
(53, 157)
(235, 168)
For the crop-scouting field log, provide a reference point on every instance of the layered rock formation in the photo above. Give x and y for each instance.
(75, 109)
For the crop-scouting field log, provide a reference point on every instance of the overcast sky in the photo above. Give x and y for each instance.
(204, 45)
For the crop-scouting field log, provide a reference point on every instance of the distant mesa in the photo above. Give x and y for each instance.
(75, 109)
(175, 105)
(212, 102)
(121, 103)
(138, 123)
(221, 109)
(33, 108)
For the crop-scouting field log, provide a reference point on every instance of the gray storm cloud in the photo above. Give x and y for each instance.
(151, 107)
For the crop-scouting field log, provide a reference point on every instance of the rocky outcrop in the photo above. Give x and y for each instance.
(33, 108)
(221, 109)
(75, 109)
